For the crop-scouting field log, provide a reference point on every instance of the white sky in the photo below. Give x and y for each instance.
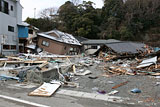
(29, 5)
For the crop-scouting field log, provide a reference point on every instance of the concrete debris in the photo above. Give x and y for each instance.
(113, 92)
(73, 72)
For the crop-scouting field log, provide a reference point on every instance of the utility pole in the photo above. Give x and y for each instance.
(34, 12)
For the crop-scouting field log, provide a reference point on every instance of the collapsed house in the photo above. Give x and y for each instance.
(123, 48)
(26, 35)
(58, 42)
(92, 45)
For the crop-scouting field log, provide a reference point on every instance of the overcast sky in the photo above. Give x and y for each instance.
(29, 5)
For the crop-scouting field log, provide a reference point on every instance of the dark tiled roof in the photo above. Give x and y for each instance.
(126, 47)
(99, 41)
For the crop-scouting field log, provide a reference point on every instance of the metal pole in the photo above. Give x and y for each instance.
(34, 12)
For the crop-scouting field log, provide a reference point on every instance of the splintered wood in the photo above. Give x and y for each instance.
(119, 85)
(109, 57)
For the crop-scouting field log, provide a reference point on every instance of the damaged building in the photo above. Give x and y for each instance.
(27, 37)
(10, 17)
(58, 42)
(123, 47)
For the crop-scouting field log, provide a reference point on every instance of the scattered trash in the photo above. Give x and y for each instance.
(113, 92)
(95, 89)
(71, 85)
(62, 70)
(83, 73)
(93, 77)
(157, 83)
(101, 91)
(136, 90)
(110, 82)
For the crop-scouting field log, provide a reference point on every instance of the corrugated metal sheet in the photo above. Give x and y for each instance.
(22, 32)
(148, 62)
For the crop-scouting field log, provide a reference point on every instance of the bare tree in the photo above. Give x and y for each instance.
(47, 13)
(76, 2)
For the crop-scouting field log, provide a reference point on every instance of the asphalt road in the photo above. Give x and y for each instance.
(57, 100)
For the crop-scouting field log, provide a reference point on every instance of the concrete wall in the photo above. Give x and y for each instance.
(19, 12)
(7, 37)
(54, 47)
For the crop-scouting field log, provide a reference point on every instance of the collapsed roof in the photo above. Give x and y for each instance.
(61, 37)
(99, 41)
(126, 47)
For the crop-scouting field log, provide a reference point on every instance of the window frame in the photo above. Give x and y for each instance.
(5, 7)
(30, 31)
(45, 43)
(13, 47)
(6, 47)
(10, 28)
(12, 8)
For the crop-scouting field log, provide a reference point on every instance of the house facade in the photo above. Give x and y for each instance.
(10, 17)
(58, 42)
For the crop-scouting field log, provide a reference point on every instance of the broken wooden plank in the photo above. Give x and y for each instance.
(119, 85)
(45, 90)
(34, 62)
(22, 62)
(14, 62)
(155, 74)
(43, 64)
(15, 58)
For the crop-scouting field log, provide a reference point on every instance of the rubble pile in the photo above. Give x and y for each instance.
(29, 66)
(53, 71)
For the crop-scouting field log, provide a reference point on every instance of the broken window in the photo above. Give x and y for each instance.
(11, 8)
(30, 31)
(13, 47)
(10, 28)
(65, 48)
(7, 47)
(6, 8)
(93, 47)
(45, 43)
